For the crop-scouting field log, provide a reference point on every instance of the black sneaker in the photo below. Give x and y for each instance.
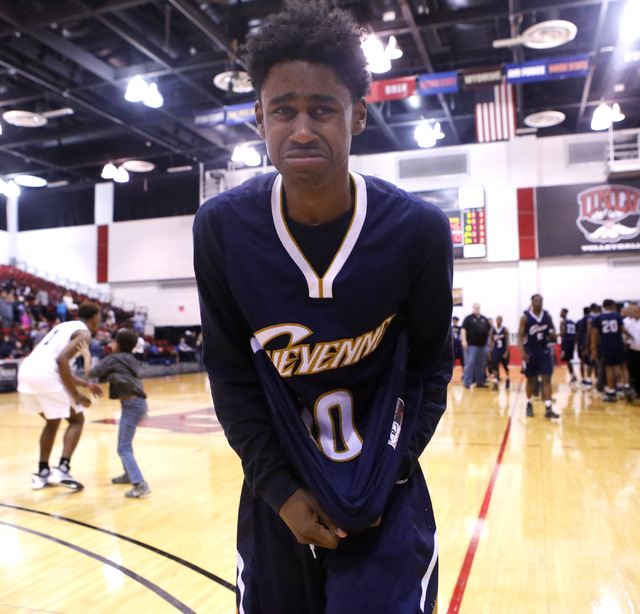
(550, 413)
(121, 479)
(507, 384)
(629, 394)
(610, 397)
(495, 385)
(529, 410)
(139, 490)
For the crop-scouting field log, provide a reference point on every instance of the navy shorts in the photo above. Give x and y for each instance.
(539, 363)
(613, 359)
(389, 568)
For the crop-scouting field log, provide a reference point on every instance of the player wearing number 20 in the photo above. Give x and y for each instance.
(607, 343)
(326, 307)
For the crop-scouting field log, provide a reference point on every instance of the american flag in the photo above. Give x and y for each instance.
(495, 113)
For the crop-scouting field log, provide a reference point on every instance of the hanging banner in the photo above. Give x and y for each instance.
(392, 89)
(230, 115)
(588, 219)
(240, 113)
(438, 83)
(481, 77)
(548, 69)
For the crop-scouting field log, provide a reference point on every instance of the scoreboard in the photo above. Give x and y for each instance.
(465, 209)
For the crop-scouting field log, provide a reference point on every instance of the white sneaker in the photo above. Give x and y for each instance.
(64, 478)
(40, 480)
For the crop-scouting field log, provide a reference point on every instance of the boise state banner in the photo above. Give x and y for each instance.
(588, 218)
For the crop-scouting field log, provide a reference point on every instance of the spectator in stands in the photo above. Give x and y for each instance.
(7, 347)
(40, 333)
(139, 320)
(61, 311)
(6, 310)
(185, 352)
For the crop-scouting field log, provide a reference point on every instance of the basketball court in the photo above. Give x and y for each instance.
(533, 515)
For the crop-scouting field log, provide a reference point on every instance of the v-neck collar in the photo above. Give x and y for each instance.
(320, 287)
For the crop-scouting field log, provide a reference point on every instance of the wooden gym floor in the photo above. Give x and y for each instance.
(534, 516)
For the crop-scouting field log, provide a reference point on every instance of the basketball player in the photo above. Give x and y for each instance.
(48, 387)
(536, 329)
(499, 343)
(584, 345)
(607, 345)
(326, 309)
(568, 344)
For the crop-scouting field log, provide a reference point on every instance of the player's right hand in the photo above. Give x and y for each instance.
(83, 400)
(308, 522)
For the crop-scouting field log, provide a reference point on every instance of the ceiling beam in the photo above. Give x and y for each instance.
(207, 27)
(586, 89)
(68, 13)
(374, 111)
(407, 13)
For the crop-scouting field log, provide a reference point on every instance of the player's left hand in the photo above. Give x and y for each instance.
(94, 389)
(308, 521)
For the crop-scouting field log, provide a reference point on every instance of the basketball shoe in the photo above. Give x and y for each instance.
(64, 478)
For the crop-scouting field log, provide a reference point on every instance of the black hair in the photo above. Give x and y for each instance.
(586, 310)
(534, 296)
(126, 339)
(608, 303)
(310, 31)
(87, 310)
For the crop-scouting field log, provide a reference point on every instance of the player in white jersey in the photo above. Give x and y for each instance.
(48, 387)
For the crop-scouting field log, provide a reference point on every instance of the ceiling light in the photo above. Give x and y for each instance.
(629, 29)
(11, 189)
(136, 89)
(392, 50)
(57, 184)
(30, 181)
(378, 60)
(24, 119)
(389, 16)
(616, 114)
(602, 117)
(121, 175)
(414, 101)
(180, 169)
(152, 97)
(542, 35)
(138, 166)
(246, 154)
(426, 134)
(108, 171)
(0, 128)
(236, 81)
(544, 119)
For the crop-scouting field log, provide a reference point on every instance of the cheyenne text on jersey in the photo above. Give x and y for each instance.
(301, 359)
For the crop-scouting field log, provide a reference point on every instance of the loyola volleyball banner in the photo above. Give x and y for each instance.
(588, 219)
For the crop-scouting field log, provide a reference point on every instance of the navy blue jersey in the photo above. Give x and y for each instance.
(581, 332)
(609, 323)
(455, 333)
(569, 337)
(334, 382)
(499, 340)
(537, 331)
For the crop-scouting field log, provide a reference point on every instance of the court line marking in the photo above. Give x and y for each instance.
(461, 584)
(131, 540)
(24, 607)
(176, 603)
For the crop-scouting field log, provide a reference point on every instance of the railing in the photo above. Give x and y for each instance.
(85, 290)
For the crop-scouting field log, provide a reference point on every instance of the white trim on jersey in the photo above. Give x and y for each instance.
(427, 576)
(320, 287)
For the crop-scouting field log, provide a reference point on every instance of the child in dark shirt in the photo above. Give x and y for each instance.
(120, 369)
